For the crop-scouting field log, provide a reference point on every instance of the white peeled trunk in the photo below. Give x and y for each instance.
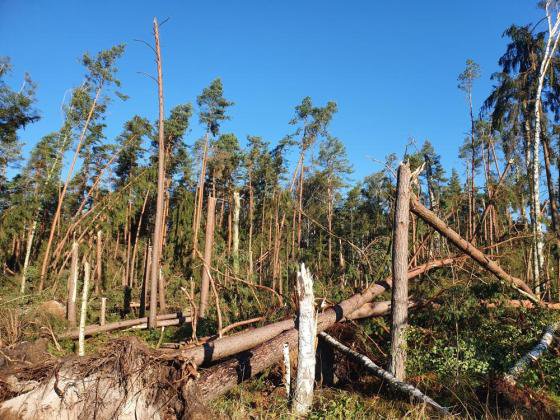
(27, 255)
(538, 238)
(72, 287)
(235, 247)
(381, 373)
(533, 355)
(103, 311)
(83, 311)
(307, 332)
(287, 369)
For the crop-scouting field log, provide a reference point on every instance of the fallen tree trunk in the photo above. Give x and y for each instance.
(381, 373)
(517, 303)
(439, 225)
(112, 326)
(533, 355)
(228, 346)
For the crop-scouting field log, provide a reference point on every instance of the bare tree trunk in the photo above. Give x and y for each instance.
(157, 241)
(146, 281)
(551, 45)
(132, 280)
(102, 313)
(128, 235)
(235, 247)
(209, 242)
(161, 292)
(199, 198)
(399, 297)
(28, 248)
(72, 287)
(533, 355)
(307, 334)
(251, 222)
(383, 374)
(83, 311)
(98, 262)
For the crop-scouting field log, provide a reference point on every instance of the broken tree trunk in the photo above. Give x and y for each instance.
(209, 242)
(158, 228)
(112, 326)
(533, 355)
(399, 297)
(307, 334)
(234, 344)
(235, 246)
(83, 312)
(72, 287)
(381, 373)
(103, 311)
(98, 265)
(435, 222)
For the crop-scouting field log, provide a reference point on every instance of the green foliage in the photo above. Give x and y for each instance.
(213, 106)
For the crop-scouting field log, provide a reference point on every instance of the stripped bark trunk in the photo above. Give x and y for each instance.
(72, 287)
(28, 248)
(287, 369)
(235, 246)
(128, 323)
(534, 354)
(98, 262)
(199, 199)
(307, 332)
(209, 241)
(551, 46)
(381, 373)
(157, 241)
(132, 280)
(146, 282)
(103, 311)
(83, 311)
(399, 297)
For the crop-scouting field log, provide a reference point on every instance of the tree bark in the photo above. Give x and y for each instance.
(209, 242)
(132, 280)
(399, 297)
(98, 262)
(551, 45)
(533, 355)
(83, 311)
(72, 287)
(128, 323)
(235, 246)
(307, 334)
(157, 241)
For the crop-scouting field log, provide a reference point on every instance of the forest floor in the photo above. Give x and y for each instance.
(458, 351)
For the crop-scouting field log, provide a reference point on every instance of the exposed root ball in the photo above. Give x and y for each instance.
(127, 380)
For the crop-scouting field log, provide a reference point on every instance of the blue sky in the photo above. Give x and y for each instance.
(391, 66)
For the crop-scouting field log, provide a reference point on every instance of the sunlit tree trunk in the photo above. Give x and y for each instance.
(157, 241)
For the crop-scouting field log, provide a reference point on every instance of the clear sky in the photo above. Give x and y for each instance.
(391, 66)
